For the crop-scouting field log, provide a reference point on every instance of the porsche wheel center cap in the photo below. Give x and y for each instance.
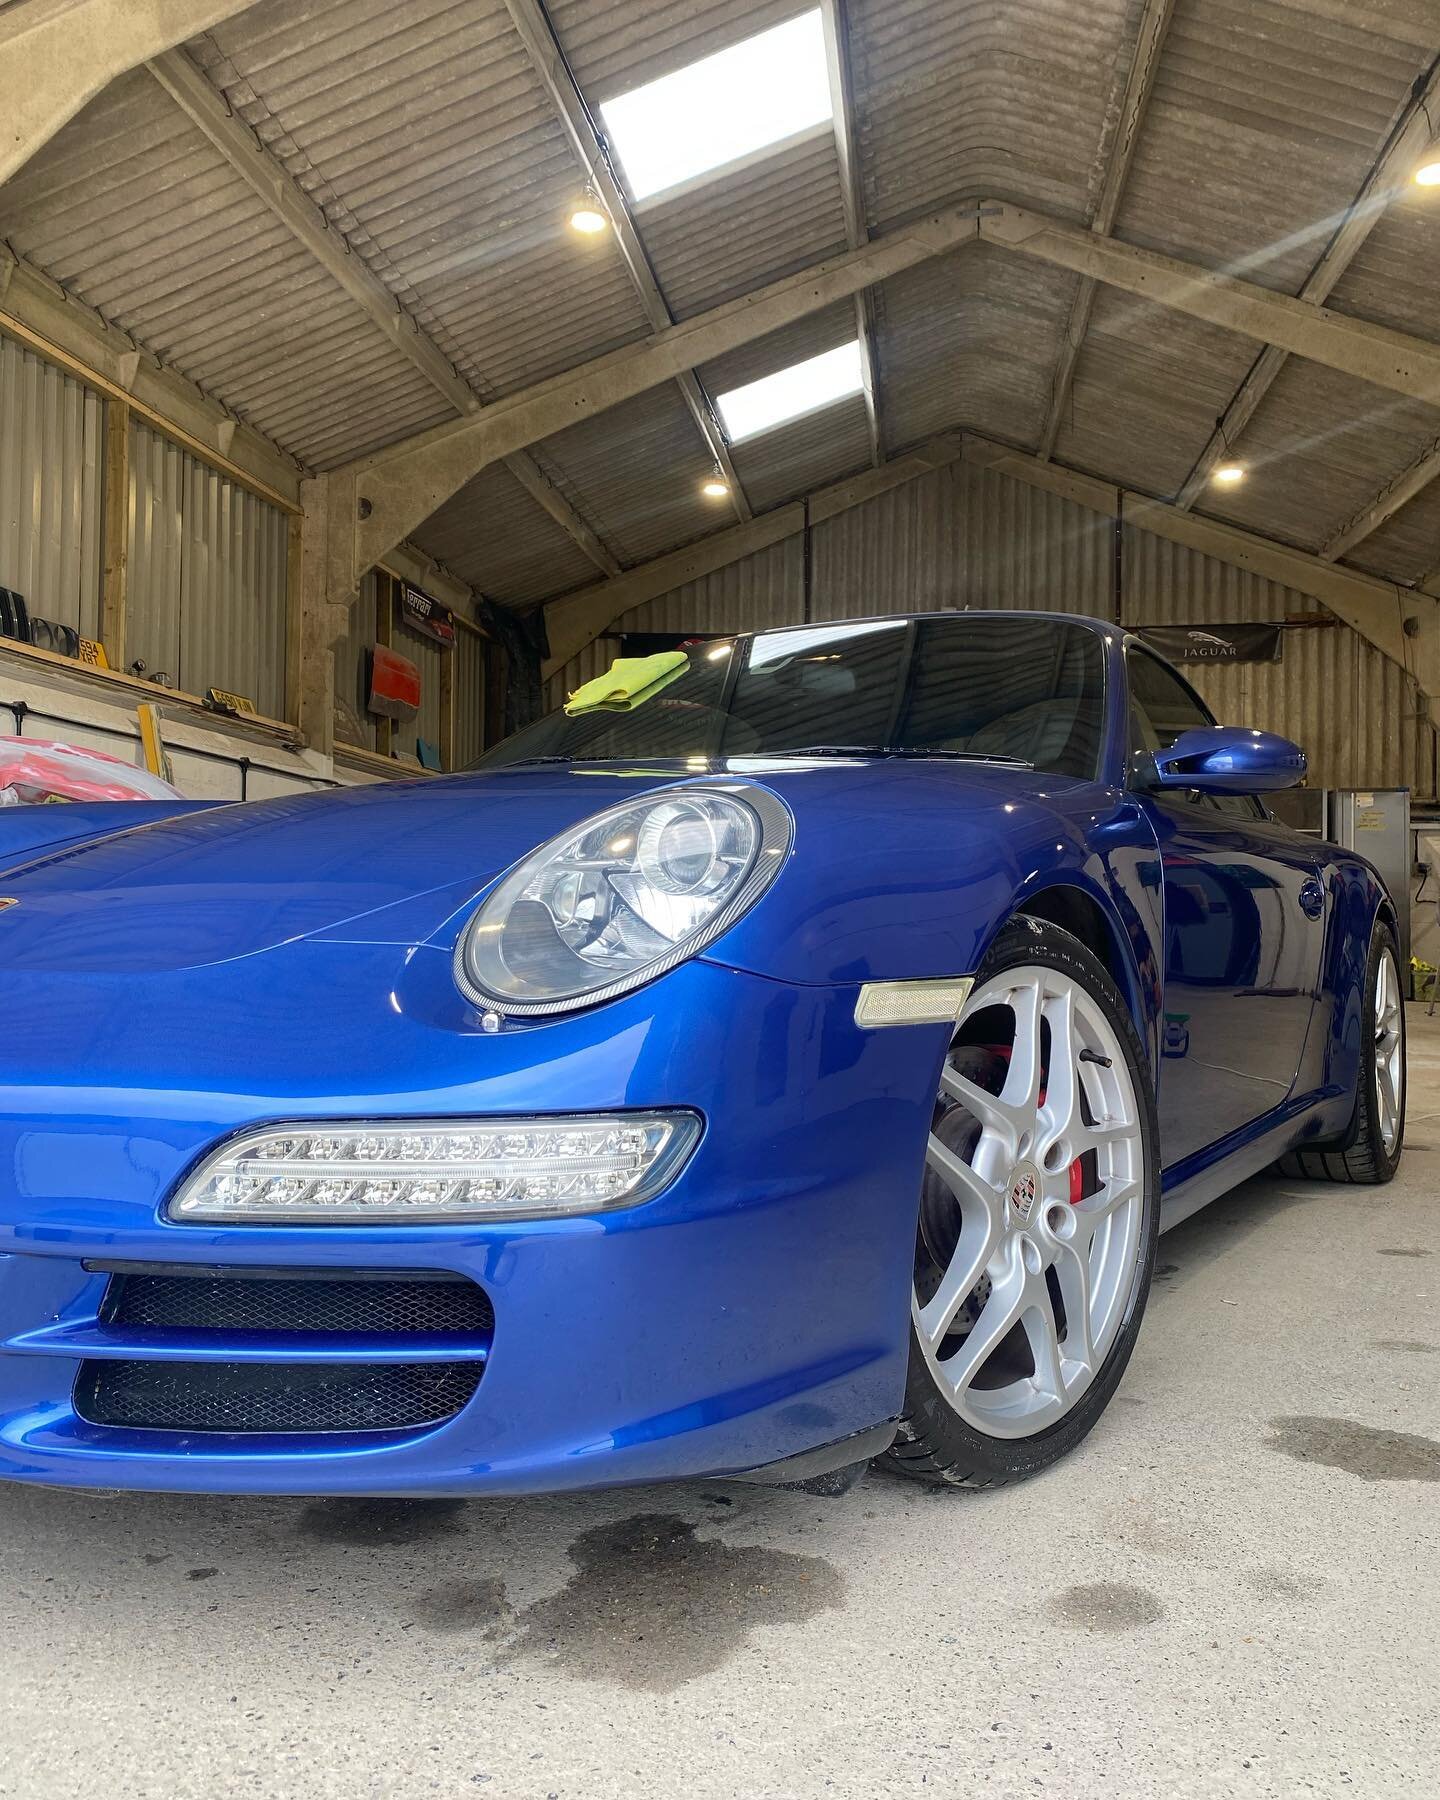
(1024, 1186)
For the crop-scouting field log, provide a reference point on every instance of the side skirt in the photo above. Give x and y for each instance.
(1235, 1159)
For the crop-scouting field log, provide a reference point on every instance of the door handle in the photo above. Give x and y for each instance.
(1312, 897)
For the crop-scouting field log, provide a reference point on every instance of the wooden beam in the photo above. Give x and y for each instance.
(1403, 489)
(57, 54)
(115, 515)
(547, 58)
(1409, 137)
(1139, 85)
(1374, 353)
(852, 200)
(400, 486)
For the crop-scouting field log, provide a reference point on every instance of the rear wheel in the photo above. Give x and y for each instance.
(1372, 1149)
(1038, 1218)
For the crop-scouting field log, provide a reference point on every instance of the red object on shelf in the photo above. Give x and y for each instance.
(394, 684)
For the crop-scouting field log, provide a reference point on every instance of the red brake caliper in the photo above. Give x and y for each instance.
(1077, 1174)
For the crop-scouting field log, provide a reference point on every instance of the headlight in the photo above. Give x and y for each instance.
(409, 1171)
(621, 898)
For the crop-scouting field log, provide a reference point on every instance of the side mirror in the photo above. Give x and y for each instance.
(1230, 759)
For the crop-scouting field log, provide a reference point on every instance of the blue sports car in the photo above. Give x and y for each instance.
(784, 1054)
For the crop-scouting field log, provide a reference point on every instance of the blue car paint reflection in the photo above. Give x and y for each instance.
(293, 959)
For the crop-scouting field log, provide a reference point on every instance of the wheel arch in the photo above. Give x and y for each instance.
(1077, 910)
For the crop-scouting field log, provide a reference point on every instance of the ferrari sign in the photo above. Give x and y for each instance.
(1214, 643)
(427, 616)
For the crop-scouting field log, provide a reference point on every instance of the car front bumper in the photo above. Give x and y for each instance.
(752, 1313)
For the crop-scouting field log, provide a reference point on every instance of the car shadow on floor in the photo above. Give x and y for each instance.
(1222, 1228)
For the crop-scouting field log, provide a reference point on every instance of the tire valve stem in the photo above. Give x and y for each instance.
(1094, 1056)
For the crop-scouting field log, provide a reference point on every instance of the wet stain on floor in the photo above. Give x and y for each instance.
(472, 1606)
(1110, 1606)
(650, 1605)
(1368, 1451)
(1408, 1346)
(1164, 1274)
(1403, 1250)
(380, 1522)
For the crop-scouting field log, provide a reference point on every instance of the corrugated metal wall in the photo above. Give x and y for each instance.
(427, 656)
(52, 449)
(1356, 712)
(207, 576)
(963, 536)
(469, 701)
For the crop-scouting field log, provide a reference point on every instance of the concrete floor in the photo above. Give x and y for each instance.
(1231, 1589)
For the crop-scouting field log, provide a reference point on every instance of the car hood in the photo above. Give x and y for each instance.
(402, 863)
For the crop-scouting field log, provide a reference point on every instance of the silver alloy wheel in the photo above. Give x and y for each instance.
(1389, 1052)
(1016, 1217)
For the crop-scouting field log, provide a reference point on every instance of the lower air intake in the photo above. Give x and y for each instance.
(298, 1300)
(257, 1398)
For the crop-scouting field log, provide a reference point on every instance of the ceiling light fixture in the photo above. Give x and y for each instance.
(589, 218)
(715, 486)
(1428, 174)
(1229, 473)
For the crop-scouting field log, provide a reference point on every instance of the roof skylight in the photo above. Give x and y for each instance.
(722, 108)
(791, 393)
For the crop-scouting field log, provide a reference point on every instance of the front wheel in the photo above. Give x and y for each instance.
(1038, 1218)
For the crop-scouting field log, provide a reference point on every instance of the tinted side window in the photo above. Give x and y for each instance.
(1161, 706)
(1001, 687)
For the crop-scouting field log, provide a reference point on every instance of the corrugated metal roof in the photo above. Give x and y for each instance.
(1264, 121)
(1149, 385)
(1315, 450)
(1011, 100)
(1407, 547)
(725, 238)
(425, 134)
(493, 535)
(638, 468)
(970, 337)
(133, 211)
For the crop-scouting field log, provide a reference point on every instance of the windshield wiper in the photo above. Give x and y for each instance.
(912, 752)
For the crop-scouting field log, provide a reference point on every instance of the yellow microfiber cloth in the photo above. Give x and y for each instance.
(629, 682)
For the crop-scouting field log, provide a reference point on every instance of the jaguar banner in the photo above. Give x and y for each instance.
(1215, 643)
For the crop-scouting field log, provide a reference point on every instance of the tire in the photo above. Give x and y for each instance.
(1371, 1149)
(998, 1423)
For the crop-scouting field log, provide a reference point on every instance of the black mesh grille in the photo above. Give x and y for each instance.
(272, 1397)
(370, 1305)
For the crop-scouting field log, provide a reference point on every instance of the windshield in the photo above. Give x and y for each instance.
(1024, 689)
